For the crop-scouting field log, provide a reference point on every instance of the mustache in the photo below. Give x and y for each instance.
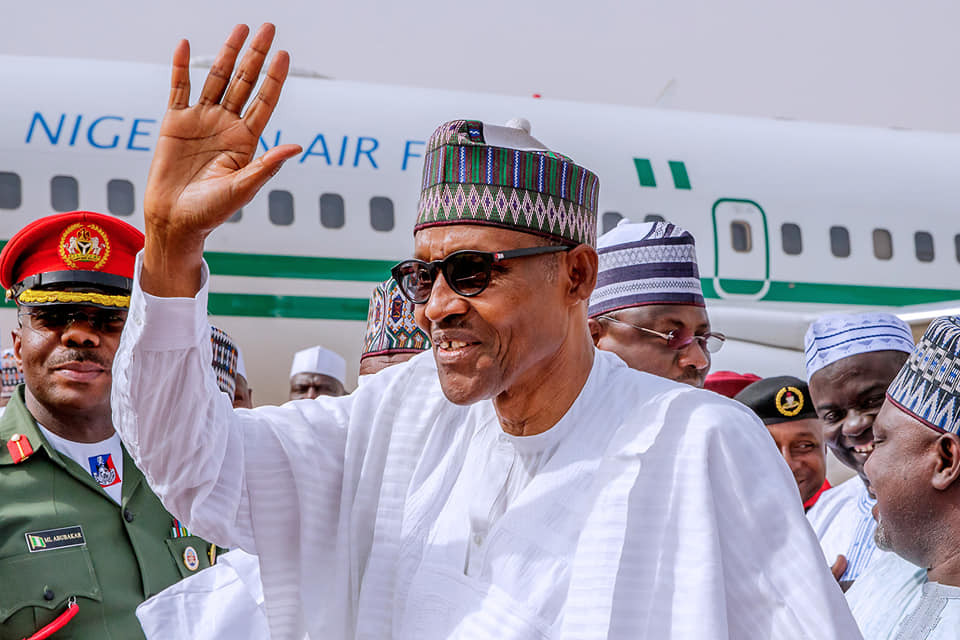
(78, 355)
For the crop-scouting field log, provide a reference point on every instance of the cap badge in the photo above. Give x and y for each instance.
(84, 246)
(789, 401)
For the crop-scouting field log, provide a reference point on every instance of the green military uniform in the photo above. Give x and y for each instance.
(109, 557)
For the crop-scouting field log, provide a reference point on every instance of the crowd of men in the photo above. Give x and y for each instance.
(530, 453)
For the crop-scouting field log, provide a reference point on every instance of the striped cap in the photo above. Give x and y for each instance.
(646, 263)
(502, 176)
(836, 336)
(927, 385)
(224, 360)
(391, 325)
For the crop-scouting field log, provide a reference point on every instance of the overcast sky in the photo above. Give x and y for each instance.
(881, 62)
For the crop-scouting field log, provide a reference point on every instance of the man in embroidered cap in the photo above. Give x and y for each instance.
(78, 522)
(851, 359)
(392, 334)
(316, 372)
(783, 404)
(648, 306)
(12, 376)
(914, 471)
(243, 395)
(516, 482)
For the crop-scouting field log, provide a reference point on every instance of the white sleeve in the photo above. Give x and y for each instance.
(219, 470)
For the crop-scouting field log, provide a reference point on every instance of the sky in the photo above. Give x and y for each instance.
(876, 63)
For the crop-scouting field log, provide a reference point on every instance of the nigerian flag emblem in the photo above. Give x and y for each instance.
(36, 542)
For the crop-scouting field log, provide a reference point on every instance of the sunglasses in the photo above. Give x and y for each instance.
(680, 338)
(57, 319)
(466, 272)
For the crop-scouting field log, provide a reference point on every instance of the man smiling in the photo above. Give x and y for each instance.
(515, 482)
(851, 359)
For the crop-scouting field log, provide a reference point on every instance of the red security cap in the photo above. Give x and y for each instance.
(59, 258)
(729, 383)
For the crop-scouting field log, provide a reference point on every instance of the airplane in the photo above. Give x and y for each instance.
(791, 219)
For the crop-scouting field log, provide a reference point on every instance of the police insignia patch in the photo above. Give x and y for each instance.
(103, 470)
(789, 401)
(84, 246)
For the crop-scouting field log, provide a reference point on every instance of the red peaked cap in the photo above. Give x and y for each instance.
(71, 250)
(729, 383)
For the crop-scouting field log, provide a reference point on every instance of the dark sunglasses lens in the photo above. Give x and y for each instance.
(680, 338)
(467, 273)
(414, 279)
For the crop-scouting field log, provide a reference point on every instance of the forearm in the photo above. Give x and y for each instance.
(172, 264)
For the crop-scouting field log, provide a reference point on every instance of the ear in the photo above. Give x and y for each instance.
(947, 471)
(596, 330)
(15, 334)
(581, 262)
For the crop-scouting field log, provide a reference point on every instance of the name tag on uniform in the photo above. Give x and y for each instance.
(55, 539)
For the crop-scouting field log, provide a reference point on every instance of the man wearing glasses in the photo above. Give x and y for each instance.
(83, 539)
(648, 306)
(513, 483)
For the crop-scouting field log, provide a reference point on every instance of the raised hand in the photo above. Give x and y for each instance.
(203, 168)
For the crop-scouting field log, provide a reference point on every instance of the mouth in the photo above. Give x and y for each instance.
(863, 449)
(80, 371)
(451, 350)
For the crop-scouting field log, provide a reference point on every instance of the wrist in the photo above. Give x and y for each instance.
(172, 264)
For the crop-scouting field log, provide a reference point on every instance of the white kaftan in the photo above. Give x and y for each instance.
(843, 520)
(892, 600)
(662, 512)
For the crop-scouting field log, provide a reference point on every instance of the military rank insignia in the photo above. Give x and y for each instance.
(19, 448)
(103, 470)
(789, 401)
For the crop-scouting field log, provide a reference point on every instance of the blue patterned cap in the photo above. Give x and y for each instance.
(927, 385)
(224, 360)
(837, 336)
(646, 263)
(391, 325)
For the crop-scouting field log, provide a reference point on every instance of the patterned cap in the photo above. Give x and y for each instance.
(391, 326)
(728, 383)
(12, 376)
(927, 385)
(837, 336)
(58, 258)
(319, 360)
(646, 263)
(502, 176)
(224, 360)
(778, 399)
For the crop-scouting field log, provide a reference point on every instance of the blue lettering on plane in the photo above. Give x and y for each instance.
(103, 132)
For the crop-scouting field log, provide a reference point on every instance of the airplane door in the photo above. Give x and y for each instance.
(742, 254)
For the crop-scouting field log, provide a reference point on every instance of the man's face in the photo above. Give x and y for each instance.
(899, 470)
(373, 364)
(66, 361)
(646, 352)
(848, 395)
(307, 386)
(801, 445)
(504, 337)
(242, 394)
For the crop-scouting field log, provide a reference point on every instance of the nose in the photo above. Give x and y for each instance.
(79, 333)
(695, 355)
(856, 423)
(444, 301)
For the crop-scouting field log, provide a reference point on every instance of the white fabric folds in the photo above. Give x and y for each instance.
(664, 512)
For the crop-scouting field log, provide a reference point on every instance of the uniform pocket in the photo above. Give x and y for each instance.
(44, 581)
(190, 554)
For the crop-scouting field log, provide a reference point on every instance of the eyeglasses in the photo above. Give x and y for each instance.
(57, 318)
(680, 338)
(467, 272)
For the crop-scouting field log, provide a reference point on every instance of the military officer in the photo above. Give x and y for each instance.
(83, 539)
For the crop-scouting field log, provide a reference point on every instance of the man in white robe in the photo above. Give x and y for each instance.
(513, 483)
(914, 470)
(850, 361)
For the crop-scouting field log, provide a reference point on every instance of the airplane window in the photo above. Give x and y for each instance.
(792, 240)
(64, 193)
(237, 215)
(923, 243)
(331, 210)
(280, 204)
(11, 194)
(882, 244)
(740, 236)
(120, 199)
(653, 217)
(609, 220)
(381, 213)
(840, 242)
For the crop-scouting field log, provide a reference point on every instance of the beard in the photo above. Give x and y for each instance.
(882, 538)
